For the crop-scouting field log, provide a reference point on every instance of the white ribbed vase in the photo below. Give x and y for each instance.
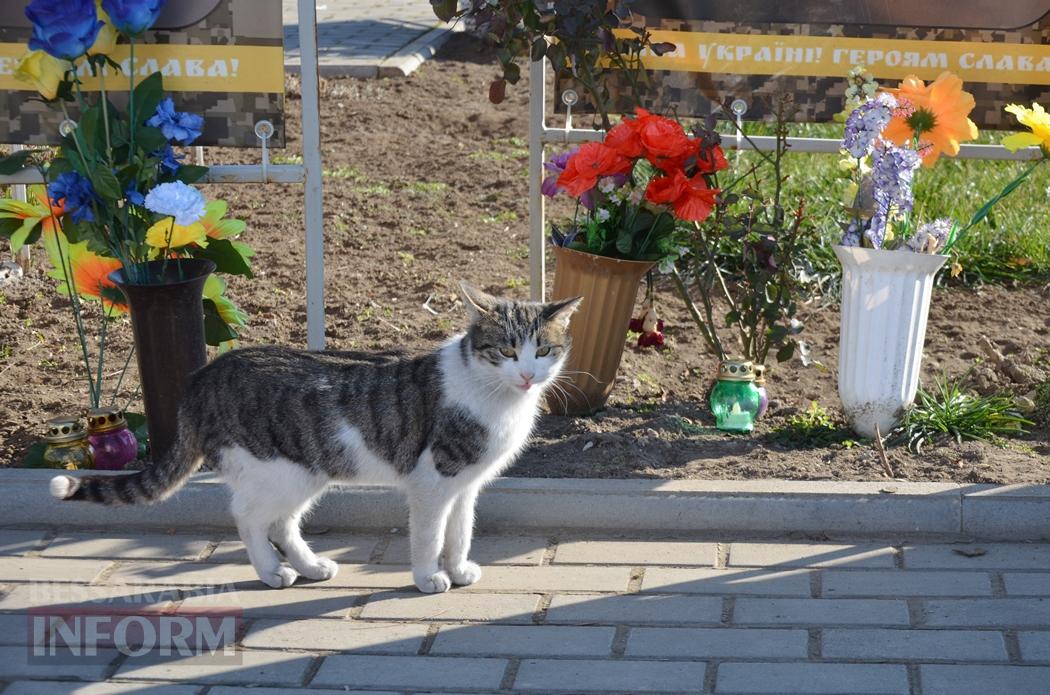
(885, 303)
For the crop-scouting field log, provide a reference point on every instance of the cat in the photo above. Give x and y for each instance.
(281, 424)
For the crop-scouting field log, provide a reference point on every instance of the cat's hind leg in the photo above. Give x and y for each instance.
(286, 534)
(266, 494)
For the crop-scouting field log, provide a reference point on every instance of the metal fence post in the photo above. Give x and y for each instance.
(314, 197)
(537, 207)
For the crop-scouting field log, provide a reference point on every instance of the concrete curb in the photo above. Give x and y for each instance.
(1016, 512)
(401, 64)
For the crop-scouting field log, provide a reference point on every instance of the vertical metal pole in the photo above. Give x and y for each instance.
(314, 212)
(537, 206)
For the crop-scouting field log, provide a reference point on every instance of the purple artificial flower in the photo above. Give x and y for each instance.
(931, 237)
(892, 169)
(866, 123)
(178, 126)
(556, 165)
(852, 236)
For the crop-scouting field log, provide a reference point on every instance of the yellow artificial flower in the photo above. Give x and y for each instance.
(215, 290)
(217, 227)
(166, 234)
(107, 35)
(43, 71)
(1037, 120)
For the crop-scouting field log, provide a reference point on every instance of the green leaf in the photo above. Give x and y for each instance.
(106, 183)
(137, 425)
(14, 163)
(149, 139)
(539, 48)
(445, 10)
(227, 257)
(90, 130)
(9, 226)
(216, 331)
(147, 96)
(785, 353)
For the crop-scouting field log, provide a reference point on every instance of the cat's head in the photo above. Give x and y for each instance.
(519, 346)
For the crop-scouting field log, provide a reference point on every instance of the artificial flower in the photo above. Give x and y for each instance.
(665, 143)
(169, 161)
(866, 123)
(66, 29)
(1037, 120)
(89, 273)
(43, 71)
(930, 237)
(34, 212)
(177, 199)
(215, 290)
(937, 115)
(107, 35)
(892, 171)
(624, 137)
(691, 198)
(133, 195)
(649, 327)
(133, 16)
(169, 234)
(180, 127)
(710, 159)
(74, 192)
(556, 165)
(215, 226)
(591, 162)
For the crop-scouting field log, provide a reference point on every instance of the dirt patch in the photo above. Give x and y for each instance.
(425, 184)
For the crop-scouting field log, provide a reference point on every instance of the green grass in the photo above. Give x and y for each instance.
(812, 428)
(950, 411)
(1011, 244)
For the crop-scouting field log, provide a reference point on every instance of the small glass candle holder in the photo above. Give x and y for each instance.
(114, 444)
(735, 400)
(67, 445)
(760, 384)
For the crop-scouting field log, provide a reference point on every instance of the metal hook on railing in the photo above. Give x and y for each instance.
(264, 131)
(739, 108)
(570, 98)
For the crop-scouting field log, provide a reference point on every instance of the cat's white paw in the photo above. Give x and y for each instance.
(280, 578)
(465, 574)
(323, 568)
(436, 583)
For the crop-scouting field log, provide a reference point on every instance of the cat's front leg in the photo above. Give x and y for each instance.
(427, 515)
(458, 535)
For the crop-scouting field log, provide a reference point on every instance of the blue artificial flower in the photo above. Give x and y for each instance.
(66, 29)
(866, 123)
(132, 195)
(178, 126)
(177, 199)
(892, 170)
(75, 194)
(169, 161)
(132, 16)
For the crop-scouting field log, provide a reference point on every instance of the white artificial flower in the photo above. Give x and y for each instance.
(607, 185)
(177, 199)
(602, 215)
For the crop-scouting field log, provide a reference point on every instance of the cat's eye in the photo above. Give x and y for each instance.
(543, 351)
(508, 352)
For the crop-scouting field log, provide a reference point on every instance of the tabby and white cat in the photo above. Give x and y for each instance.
(282, 424)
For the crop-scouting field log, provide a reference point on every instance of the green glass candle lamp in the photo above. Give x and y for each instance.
(735, 400)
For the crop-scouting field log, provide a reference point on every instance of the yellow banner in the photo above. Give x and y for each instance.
(833, 56)
(186, 68)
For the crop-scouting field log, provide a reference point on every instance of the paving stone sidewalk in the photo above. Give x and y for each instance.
(551, 615)
(367, 38)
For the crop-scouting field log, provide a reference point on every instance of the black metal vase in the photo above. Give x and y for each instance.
(167, 319)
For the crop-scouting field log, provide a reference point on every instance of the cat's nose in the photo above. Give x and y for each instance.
(528, 376)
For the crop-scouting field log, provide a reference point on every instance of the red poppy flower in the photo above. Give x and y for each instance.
(666, 144)
(590, 163)
(624, 139)
(710, 159)
(691, 198)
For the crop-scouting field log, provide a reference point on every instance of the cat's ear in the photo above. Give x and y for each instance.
(477, 302)
(561, 310)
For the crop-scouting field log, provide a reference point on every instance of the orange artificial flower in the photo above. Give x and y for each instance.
(36, 211)
(665, 143)
(591, 162)
(937, 114)
(90, 275)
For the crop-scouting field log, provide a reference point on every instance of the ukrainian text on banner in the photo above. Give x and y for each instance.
(221, 58)
(753, 49)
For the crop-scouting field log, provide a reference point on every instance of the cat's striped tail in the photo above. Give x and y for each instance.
(143, 487)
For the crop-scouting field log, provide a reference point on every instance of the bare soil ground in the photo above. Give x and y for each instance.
(425, 184)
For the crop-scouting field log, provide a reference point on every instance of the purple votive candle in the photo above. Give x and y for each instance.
(114, 444)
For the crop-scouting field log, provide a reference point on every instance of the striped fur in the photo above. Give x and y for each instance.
(438, 425)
